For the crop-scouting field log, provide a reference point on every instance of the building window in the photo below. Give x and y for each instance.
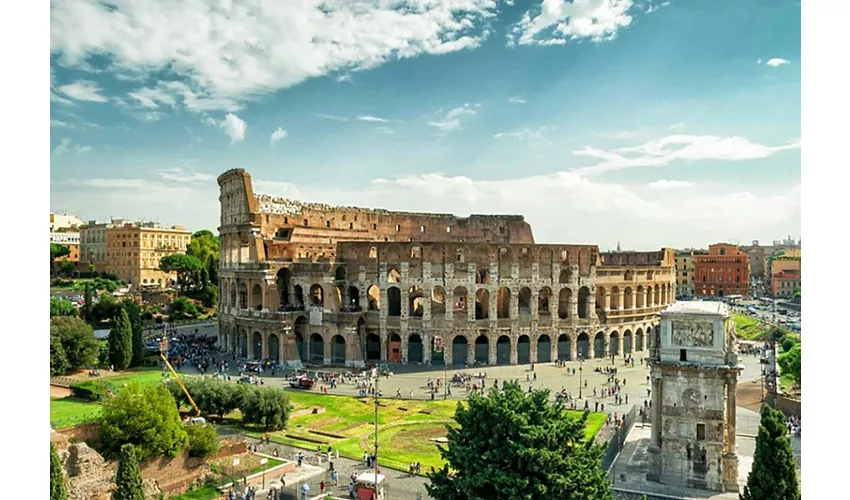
(327, 223)
(350, 225)
(683, 354)
(700, 432)
(374, 227)
(448, 229)
(305, 222)
(501, 229)
(421, 229)
(398, 227)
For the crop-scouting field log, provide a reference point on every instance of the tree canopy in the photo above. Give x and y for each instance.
(268, 408)
(510, 444)
(188, 269)
(134, 314)
(146, 418)
(791, 362)
(61, 307)
(58, 491)
(205, 246)
(57, 251)
(182, 308)
(121, 341)
(73, 340)
(128, 478)
(774, 473)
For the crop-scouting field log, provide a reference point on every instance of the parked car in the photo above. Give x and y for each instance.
(301, 382)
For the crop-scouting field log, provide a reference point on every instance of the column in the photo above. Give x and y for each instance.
(532, 349)
(533, 304)
(656, 408)
(622, 295)
(469, 302)
(384, 339)
(731, 423)
(553, 347)
(470, 350)
(646, 298)
(514, 346)
(606, 342)
(621, 341)
(265, 339)
(447, 350)
(591, 347)
(607, 301)
(405, 302)
(404, 340)
(326, 355)
(491, 350)
(573, 306)
(574, 346)
(450, 305)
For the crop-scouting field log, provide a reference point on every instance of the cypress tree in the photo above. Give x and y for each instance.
(57, 478)
(134, 314)
(774, 473)
(128, 479)
(88, 304)
(121, 341)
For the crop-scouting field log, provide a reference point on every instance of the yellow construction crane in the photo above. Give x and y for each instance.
(163, 350)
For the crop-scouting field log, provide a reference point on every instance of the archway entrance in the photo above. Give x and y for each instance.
(414, 349)
(599, 345)
(338, 350)
(639, 340)
(614, 344)
(373, 347)
(563, 348)
(583, 346)
(394, 348)
(482, 350)
(299, 343)
(523, 350)
(243, 344)
(503, 350)
(544, 349)
(459, 350)
(274, 347)
(627, 342)
(257, 345)
(317, 349)
(438, 357)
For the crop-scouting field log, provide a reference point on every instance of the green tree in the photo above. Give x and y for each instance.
(61, 307)
(203, 441)
(121, 341)
(58, 360)
(209, 296)
(147, 418)
(134, 314)
(791, 362)
(509, 444)
(187, 267)
(106, 309)
(182, 307)
(128, 478)
(67, 268)
(57, 251)
(204, 245)
(268, 408)
(87, 299)
(58, 491)
(79, 345)
(774, 473)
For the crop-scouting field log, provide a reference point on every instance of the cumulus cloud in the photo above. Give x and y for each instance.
(178, 174)
(152, 98)
(555, 22)
(666, 185)
(234, 49)
(65, 146)
(777, 61)
(672, 148)
(277, 135)
(82, 90)
(234, 127)
(451, 120)
(332, 117)
(516, 100)
(370, 118)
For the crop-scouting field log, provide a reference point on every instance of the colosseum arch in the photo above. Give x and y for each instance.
(317, 349)
(627, 342)
(615, 298)
(459, 350)
(583, 302)
(640, 294)
(482, 304)
(438, 301)
(257, 297)
(614, 343)
(338, 350)
(415, 351)
(300, 329)
(543, 301)
(374, 294)
(503, 303)
(257, 345)
(353, 302)
(638, 340)
(317, 295)
(503, 350)
(482, 276)
(243, 343)
(628, 299)
(544, 349)
(565, 276)
(393, 276)
(284, 283)
(564, 353)
(373, 347)
(523, 350)
(600, 297)
(583, 345)
(274, 347)
(393, 301)
(298, 295)
(524, 302)
(482, 349)
(564, 297)
(460, 300)
(394, 348)
(599, 345)
(339, 274)
(416, 302)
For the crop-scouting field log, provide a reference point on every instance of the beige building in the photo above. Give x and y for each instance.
(684, 274)
(134, 251)
(60, 222)
(93, 243)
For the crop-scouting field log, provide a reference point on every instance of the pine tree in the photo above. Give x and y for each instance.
(121, 341)
(134, 314)
(88, 304)
(57, 478)
(128, 479)
(774, 473)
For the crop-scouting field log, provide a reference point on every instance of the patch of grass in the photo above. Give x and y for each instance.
(68, 412)
(786, 382)
(208, 492)
(749, 328)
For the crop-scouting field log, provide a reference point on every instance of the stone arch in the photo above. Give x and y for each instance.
(438, 301)
(524, 302)
(393, 301)
(503, 350)
(614, 343)
(232, 297)
(338, 350)
(459, 350)
(393, 276)
(600, 297)
(274, 347)
(415, 351)
(284, 283)
(415, 302)
(503, 303)
(650, 297)
(374, 294)
(317, 295)
(298, 295)
(523, 350)
(640, 295)
(460, 300)
(482, 349)
(243, 296)
(373, 347)
(564, 297)
(339, 274)
(544, 349)
(353, 299)
(543, 301)
(658, 295)
(638, 340)
(628, 299)
(482, 276)
(583, 302)
(300, 329)
(627, 342)
(583, 345)
(317, 349)
(243, 343)
(257, 345)
(565, 276)
(482, 304)
(394, 348)
(564, 353)
(599, 345)
(615, 298)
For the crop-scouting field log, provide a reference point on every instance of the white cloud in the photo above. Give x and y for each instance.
(54, 97)
(676, 126)
(667, 185)
(151, 98)
(777, 61)
(277, 135)
(652, 8)
(672, 148)
(65, 146)
(59, 123)
(370, 118)
(179, 174)
(209, 120)
(451, 120)
(385, 130)
(516, 100)
(557, 21)
(522, 134)
(234, 127)
(236, 50)
(332, 117)
(83, 90)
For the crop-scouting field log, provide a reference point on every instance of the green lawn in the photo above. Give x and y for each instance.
(68, 412)
(749, 328)
(208, 492)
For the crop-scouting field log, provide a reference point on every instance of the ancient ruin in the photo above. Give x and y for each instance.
(311, 283)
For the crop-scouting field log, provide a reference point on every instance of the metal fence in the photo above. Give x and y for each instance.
(615, 437)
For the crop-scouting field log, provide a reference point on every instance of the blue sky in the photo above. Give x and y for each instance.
(642, 122)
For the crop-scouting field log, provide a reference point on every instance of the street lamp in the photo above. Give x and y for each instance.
(580, 362)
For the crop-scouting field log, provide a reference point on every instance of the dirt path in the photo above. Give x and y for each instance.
(59, 392)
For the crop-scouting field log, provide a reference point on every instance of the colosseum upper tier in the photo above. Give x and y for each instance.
(315, 284)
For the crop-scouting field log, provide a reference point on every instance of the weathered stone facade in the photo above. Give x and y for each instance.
(694, 373)
(340, 285)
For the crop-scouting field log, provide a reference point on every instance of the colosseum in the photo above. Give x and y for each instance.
(305, 283)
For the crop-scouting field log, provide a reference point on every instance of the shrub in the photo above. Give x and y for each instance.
(268, 408)
(79, 345)
(182, 308)
(92, 390)
(203, 440)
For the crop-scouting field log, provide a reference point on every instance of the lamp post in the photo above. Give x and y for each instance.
(580, 362)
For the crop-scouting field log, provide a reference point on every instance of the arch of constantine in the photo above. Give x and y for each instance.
(311, 283)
